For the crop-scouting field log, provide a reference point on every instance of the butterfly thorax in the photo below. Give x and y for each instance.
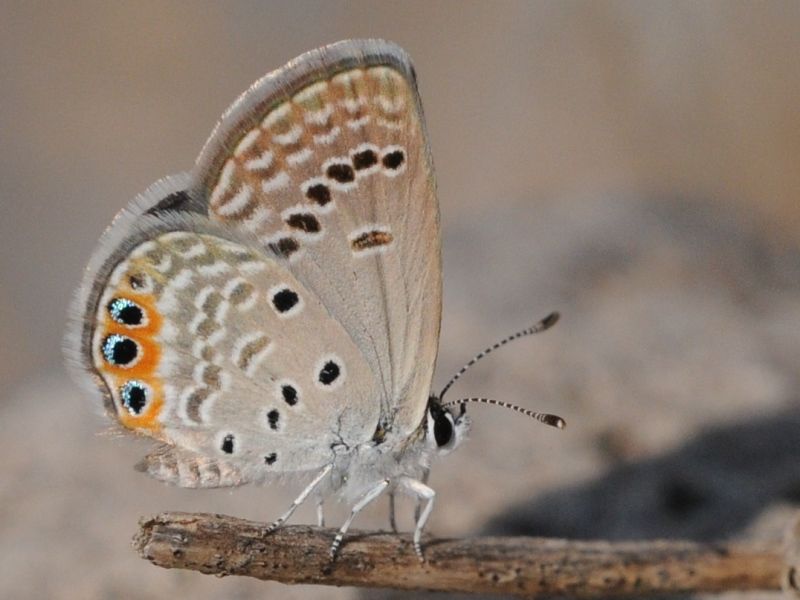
(361, 467)
(392, 455)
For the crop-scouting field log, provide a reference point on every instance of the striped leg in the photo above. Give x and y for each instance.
(426, 473)
(422, 492)
(368, 497)
(300, 499)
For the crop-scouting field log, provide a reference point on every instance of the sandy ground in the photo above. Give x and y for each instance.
(631, 165)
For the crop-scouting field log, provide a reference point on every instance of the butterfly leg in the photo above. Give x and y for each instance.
(422, 492)
(299, 500)
(368, 497)
(392, 521)
(418, 508)
(320, 512)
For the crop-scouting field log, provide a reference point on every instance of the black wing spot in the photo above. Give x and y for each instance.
(120, 350)
(126, 312)
(136, 281)
(364, 159)
(270, 458)
(319, 193)
(284, 300)
(304, 222)
(341, 172)
(134, 397)
(289, 394)
(227, 444)
(394, 159)
(285, 246)
(329, 373)
(273, 417)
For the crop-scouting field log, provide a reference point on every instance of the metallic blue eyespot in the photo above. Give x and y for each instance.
(135, 396)
(120, 350)
(126, 312)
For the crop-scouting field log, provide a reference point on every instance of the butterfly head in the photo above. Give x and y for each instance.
(445, 430)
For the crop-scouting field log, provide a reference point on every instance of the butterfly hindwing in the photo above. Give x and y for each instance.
(215, 348)
(326, 163)
(171, 464)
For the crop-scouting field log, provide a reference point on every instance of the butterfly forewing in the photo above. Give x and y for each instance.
(326, 164)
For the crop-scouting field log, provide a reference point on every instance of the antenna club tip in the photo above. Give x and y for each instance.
(551, 319)
(556, 422)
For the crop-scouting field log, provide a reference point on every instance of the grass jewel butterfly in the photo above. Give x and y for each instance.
(276, 310)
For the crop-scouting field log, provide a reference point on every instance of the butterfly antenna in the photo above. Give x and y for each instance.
(542, 325)
(547, 419)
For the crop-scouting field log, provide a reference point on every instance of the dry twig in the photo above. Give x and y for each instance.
(522, 566)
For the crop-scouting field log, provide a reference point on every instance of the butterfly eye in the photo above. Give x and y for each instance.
(135, 396)
(120, 350)
(443, 429)
(126, 312)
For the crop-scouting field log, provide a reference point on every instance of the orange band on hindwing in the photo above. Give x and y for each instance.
(128, 355)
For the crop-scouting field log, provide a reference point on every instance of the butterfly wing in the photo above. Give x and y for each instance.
(284, 298)
(327, 163)
(201, 339)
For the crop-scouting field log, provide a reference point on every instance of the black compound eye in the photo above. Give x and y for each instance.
(120, 350)
(443, 429)
(135, 396)
(126, 312)
(285, 300)
(329, 373)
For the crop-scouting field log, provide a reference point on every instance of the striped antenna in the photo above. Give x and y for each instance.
(542, 325)
(547, 419)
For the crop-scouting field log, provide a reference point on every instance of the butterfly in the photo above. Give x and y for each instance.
(277, 309)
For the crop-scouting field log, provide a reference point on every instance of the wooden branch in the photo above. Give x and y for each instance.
(521, 566)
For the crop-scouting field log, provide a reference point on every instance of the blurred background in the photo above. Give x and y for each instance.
(632, 164)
